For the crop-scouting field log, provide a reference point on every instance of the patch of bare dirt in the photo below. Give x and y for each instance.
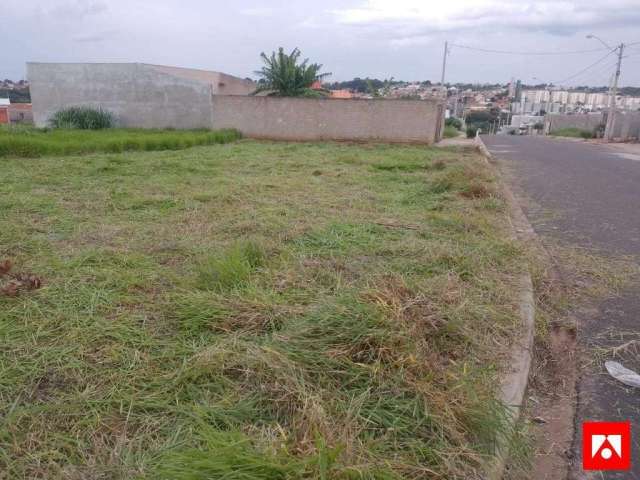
(12, 284)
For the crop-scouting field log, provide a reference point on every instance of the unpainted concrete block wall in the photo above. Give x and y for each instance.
(626, 124)
(155, 96)
(139, 95)
(586, 121)
(413, 121)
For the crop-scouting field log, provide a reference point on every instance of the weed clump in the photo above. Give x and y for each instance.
(231, 269)
(83, 118)
(573, 132)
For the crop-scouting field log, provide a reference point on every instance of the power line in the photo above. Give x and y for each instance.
(514, 52)
(605, 74)
(607, 68)
(604, 70)
(577, 74)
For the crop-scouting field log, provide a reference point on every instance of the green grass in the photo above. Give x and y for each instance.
(572, 132)
(31, 142)
(254, 310)
(231, 269)
(450, 132)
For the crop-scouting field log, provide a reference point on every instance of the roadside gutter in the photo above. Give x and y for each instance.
(516, 373)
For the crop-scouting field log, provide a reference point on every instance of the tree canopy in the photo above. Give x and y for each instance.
(283, 76)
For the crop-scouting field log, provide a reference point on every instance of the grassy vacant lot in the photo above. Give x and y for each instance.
(28, 142)
(252, 311)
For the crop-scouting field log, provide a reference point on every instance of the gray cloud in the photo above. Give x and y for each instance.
(540, 16)
(382, 38)
(95, 37)
(78, 9)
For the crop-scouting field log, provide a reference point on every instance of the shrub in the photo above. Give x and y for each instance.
(573, 132)
(453, 122)
(586, 134)
(471, 131)
(450, 132)
(83, 118)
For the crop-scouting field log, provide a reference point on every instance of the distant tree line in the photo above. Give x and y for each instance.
(483, 119)
(16, 95)
(476, 86)
(365, 85)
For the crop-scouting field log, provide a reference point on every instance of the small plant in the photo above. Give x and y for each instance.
(471, 131)
(83, 118)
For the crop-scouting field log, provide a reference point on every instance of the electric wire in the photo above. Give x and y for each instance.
(514, 52)
(571, 77)
(604, 71)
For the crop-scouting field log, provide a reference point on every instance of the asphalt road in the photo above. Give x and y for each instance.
(588, 195)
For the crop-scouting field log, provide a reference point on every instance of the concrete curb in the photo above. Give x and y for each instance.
(514, 384)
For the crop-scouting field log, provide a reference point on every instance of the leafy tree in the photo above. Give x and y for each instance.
(372, 90)
(283, 76)
(361, 85)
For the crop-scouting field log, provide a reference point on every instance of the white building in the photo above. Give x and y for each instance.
(560, 101)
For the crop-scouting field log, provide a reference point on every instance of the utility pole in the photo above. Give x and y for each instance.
(444, 67)
(613, 93)
(613, 90)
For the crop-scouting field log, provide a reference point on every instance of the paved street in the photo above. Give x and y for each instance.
(588, 195)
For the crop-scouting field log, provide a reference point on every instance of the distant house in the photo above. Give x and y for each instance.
(20, 113)
(15, 112)
(4, 110)
(344, 93)
(137, 94)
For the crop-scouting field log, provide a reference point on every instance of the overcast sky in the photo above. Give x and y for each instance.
(377, 38)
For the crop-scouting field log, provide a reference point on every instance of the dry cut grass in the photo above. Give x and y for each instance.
(253, 311)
